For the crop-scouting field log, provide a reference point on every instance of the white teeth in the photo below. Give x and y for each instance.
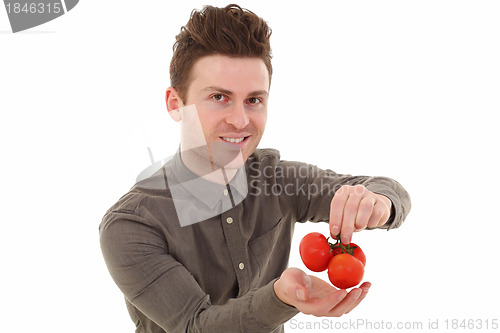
(233, 140)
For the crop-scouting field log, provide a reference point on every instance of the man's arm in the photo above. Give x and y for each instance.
(323, 195)
(165, 291)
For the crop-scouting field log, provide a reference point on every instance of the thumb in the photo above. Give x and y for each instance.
(298, 283)
(303, 288)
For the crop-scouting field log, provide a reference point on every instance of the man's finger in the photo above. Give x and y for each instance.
(346, 304)
(337, 210)
(350, 212)
(356, 194)
(364, 287)
(353, 298)
(378, 216)
(323, 305)
(364, 212)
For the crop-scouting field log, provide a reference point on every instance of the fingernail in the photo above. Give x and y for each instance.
(345, 240)
(306, 280)
(356, 294)
(300, 295)
(335, 230)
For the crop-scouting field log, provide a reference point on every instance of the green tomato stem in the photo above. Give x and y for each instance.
(338, 245)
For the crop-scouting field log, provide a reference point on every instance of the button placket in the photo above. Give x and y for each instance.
(237, 250)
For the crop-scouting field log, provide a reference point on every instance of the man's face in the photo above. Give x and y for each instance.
(230, 95)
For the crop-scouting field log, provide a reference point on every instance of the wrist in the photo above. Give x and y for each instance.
(279, 292)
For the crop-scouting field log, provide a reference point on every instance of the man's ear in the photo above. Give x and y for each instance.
(174, 103)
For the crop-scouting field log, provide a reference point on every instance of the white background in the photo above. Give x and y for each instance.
(406, 89)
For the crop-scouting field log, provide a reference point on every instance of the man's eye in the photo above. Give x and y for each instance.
(254, 100)
(219, 97)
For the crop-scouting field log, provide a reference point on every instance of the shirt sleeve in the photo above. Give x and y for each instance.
(315, 188)
(137, 257)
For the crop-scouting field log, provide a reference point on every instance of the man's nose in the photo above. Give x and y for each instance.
(237, 116)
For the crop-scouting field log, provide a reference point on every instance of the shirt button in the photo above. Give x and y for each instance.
(241, 266)
(229, 220)
(226, 192)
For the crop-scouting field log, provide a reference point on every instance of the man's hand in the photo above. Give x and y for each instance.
(311, 295)
(354, 208)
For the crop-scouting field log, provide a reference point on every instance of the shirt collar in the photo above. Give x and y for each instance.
(207, 192)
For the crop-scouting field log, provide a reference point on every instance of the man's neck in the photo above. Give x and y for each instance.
(203, 165)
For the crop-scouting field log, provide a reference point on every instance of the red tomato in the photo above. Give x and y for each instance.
(357, 252)
(345, 271)
(315, 251)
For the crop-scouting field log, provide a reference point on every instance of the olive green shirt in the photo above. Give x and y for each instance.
(217, 275)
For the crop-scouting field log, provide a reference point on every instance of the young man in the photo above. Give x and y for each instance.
(203, 243)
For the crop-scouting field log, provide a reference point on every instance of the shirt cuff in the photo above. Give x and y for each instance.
(269, 309)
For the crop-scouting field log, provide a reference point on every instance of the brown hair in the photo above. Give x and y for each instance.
(230, 31)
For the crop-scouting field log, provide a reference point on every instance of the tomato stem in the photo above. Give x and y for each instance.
(338, 245)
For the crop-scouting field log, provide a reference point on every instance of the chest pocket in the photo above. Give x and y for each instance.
(271, 251)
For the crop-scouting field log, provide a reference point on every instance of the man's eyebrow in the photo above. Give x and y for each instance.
(219, 89)
(230, 93)
(258, 93)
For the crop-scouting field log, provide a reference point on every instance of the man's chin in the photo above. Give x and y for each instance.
(237, 163)
(228, 159)
(228, 155)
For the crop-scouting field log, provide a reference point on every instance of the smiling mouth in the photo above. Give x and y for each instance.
(234, 140)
